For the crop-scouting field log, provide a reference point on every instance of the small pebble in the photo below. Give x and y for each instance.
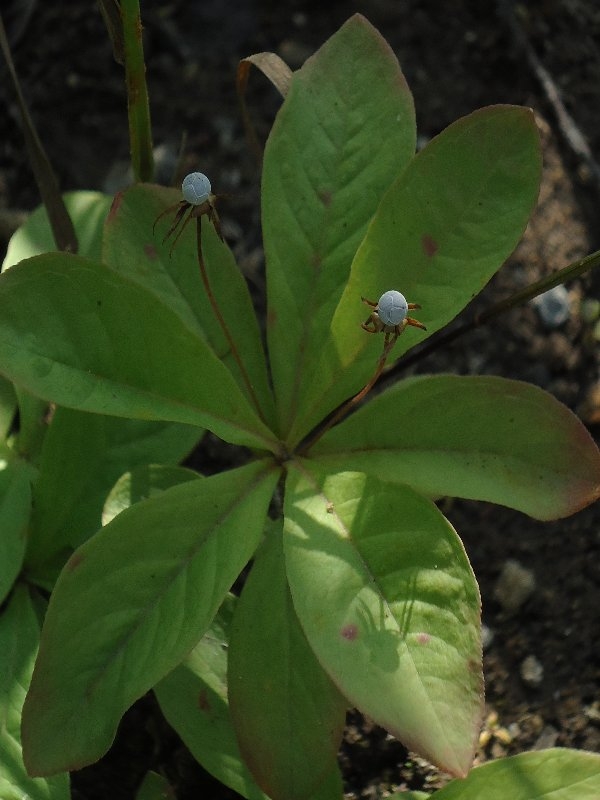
(532, 672)
(514, 585)
(547, 738)
(553, 306)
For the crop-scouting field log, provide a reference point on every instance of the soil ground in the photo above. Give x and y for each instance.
(455, 61)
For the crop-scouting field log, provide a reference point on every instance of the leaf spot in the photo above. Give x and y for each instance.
(423, 638)
(74, 561)
(150, 251)
(203, 701)
(325, 197)
(429, 244)
(349, 632)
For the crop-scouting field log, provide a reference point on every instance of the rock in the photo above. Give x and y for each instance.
(532, 672)
(553, 306)
(514, 585)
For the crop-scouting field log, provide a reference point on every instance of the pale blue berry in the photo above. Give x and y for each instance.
(196, 188)
(392, 308)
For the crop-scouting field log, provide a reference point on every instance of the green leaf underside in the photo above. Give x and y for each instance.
(131, 603)
(19, 637)
(87, 210)
(288, 715)
(559, 774)
(102, 343)
(387, 599)
(193, 698)
(133, 249)
(15, 510)
(344, 132)
(441, 232)
(477, 437)
(82, 457)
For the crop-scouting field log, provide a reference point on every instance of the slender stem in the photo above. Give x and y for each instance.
(519, 298)
(220, 319)
(140, 131)
(58, 216)
(347, 407)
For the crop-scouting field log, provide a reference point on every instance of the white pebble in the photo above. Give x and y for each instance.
(532, 672)
(553, 306)
(514, 585)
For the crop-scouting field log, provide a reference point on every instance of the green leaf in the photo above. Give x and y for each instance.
(155, 787)
(82, 457)
(142, 482)
(19, 636)
(134, 250)
(131, 603)
(440, 233)
(193, 698)
(387, 599)
(344, 132)
(102, 343)
(15, 509)
(556, 773)
(483, 438)
(87, 210)
(288, 716)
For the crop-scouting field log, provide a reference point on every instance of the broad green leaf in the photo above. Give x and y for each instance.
(440, 233)
(155, 787)
(82, 457)
(483, 438)
(288, 716)
(87, 210)
(102, 343)
(19, 636)
(345, 131)
(132, 248)
(15, 509)
(388, 601)
(131, 603)
(142, 482)
(556, 774)
(193, 698)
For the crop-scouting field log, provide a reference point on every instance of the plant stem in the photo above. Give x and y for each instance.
(220, 319)
(61, 225)
(140, 131)
(519, 298)
(347, 407)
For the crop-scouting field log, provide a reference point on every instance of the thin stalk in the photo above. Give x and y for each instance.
(220, 319)
(519, 298)
(138, 108)
(61, 225)
(347, 407)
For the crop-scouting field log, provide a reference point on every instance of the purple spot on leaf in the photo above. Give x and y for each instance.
(429, 244)
(423, 638)
(203, 702)
(350, 632)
